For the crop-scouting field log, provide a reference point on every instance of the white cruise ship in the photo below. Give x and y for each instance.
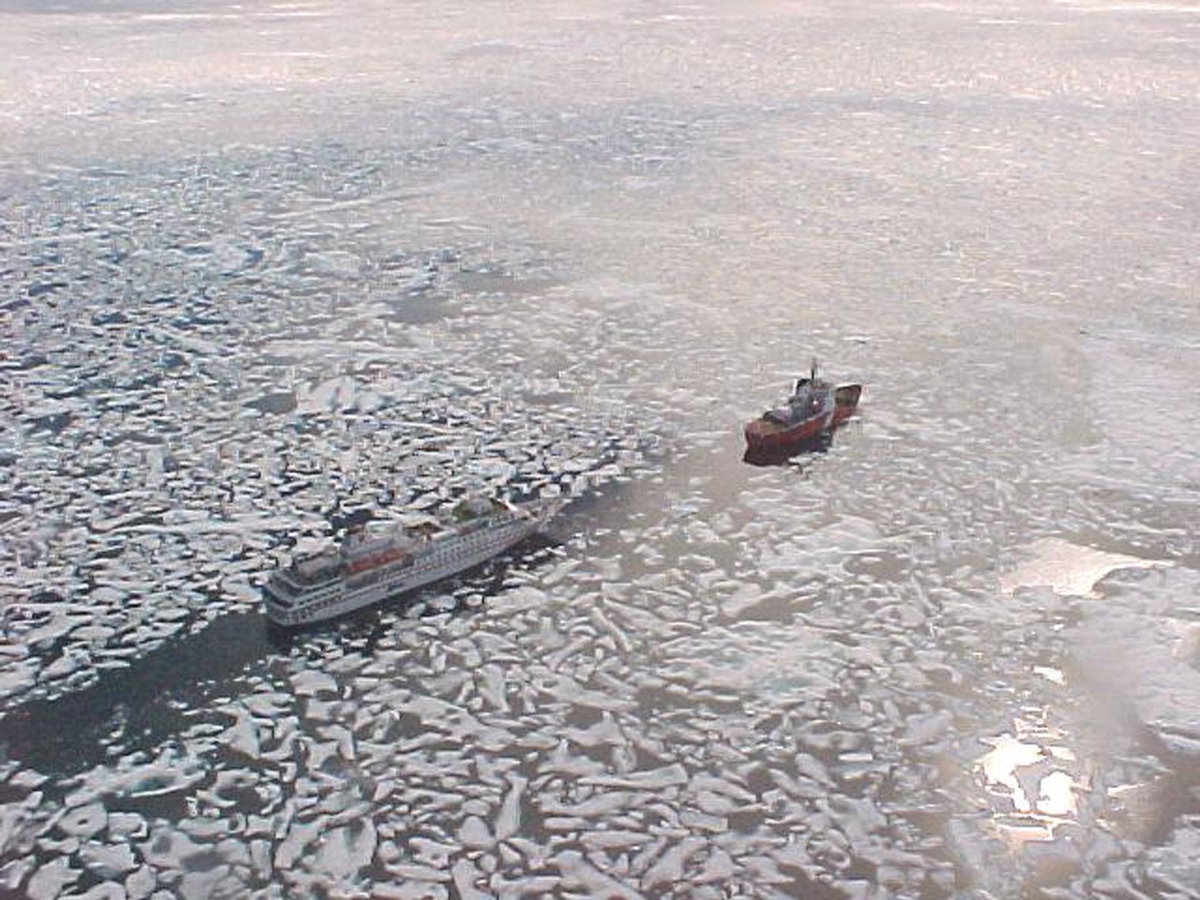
(365, 569)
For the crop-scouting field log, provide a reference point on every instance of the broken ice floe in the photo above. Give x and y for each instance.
(752, 685)
(1069, 569)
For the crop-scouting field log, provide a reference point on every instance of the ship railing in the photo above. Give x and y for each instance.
(304, 575)
(280, 583)
(487, 521)
(279, 597)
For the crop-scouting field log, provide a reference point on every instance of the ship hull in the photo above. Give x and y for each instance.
(366, 590)
(766, 437)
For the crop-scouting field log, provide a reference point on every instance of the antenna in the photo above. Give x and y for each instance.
(814, 370)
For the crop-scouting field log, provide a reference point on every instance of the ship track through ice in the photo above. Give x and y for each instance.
(365, 570)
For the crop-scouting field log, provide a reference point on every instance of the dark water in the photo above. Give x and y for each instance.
(270, 269)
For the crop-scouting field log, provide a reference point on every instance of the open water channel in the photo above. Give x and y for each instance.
(269, 267)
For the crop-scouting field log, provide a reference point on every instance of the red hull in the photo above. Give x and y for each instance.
(765, 436)
(762, 435)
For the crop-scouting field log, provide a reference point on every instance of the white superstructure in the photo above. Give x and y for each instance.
(364, 570)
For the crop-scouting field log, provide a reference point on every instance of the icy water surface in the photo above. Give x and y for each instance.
(273, 269)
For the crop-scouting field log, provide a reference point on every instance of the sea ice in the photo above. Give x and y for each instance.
(1069, 569)
(108, 861)
(84, 821)
(343, 851)
(49, 880)
(578, 874)
(652, 779)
